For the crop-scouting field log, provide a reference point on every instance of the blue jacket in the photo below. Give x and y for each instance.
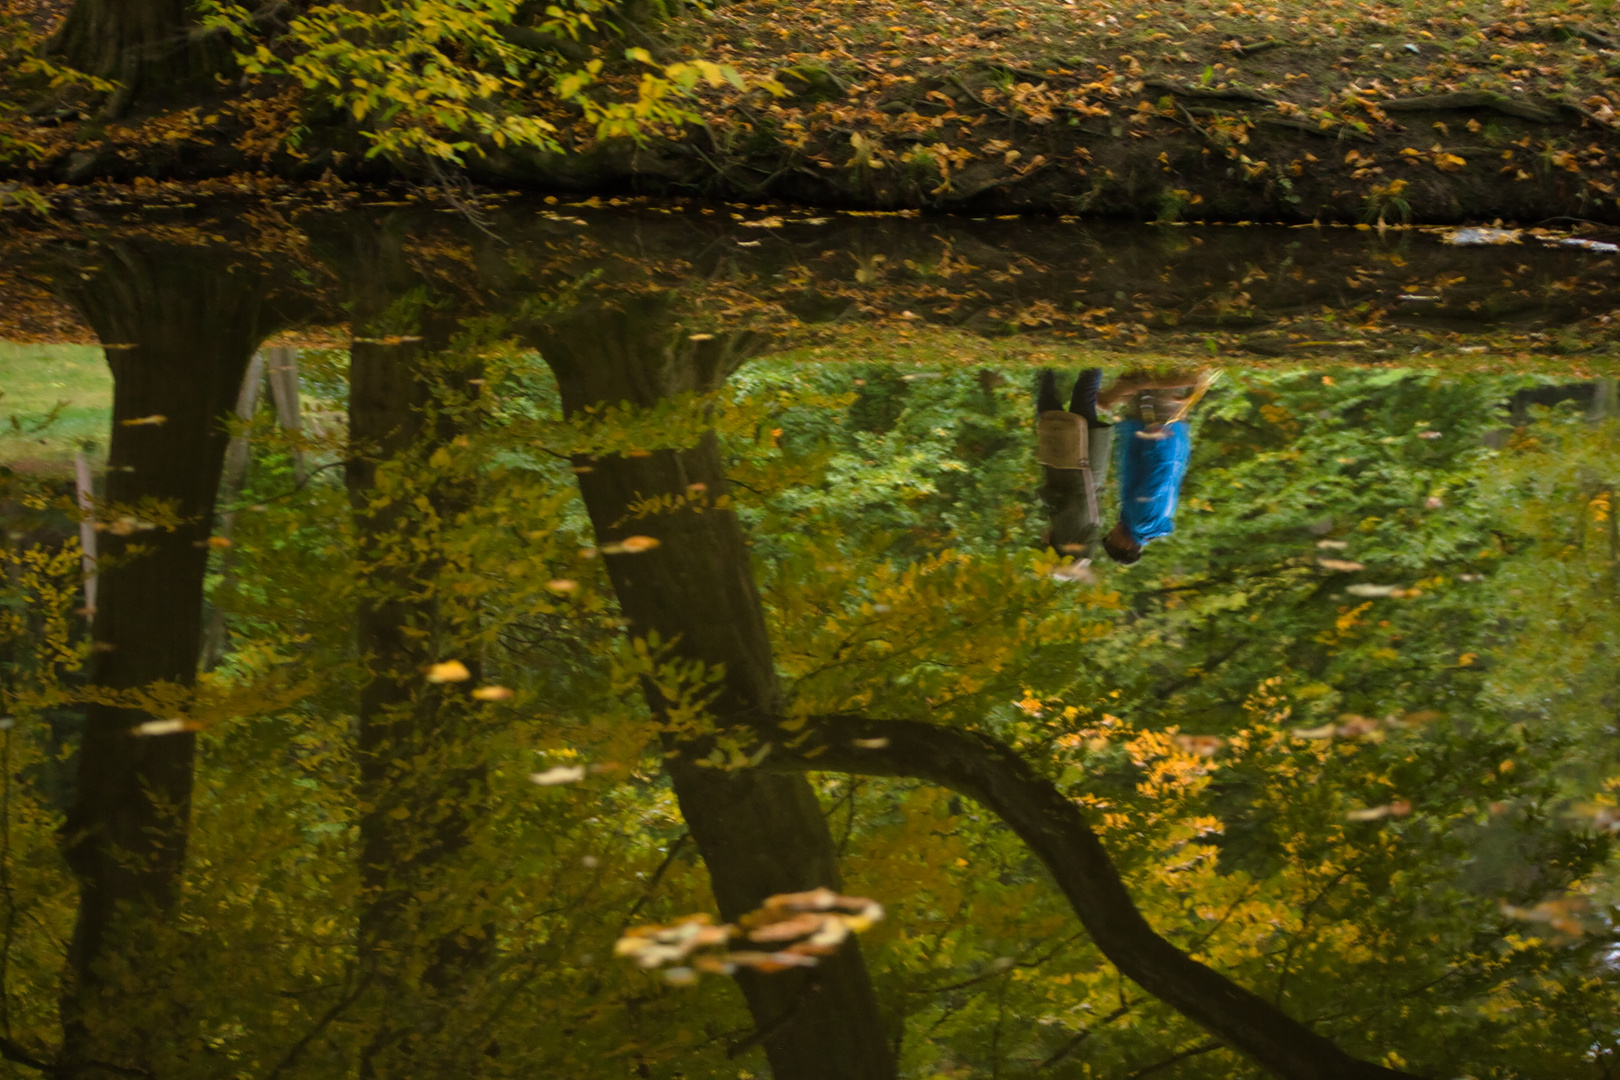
(1150, 474)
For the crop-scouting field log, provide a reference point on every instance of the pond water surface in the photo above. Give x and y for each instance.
(1178, 649)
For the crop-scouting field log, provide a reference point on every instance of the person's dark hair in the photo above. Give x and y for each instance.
(1121, 553)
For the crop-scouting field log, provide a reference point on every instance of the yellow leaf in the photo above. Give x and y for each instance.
(1449, 162)
(449, 671)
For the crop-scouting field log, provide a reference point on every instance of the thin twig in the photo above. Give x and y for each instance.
(295, 489)
(1191, 1051)
(652, 882)
(1083, 1034)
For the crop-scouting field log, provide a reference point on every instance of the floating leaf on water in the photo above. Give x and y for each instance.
(155, 420)
(1202, 745)
(124, 526)
(1344, 566)
(871, 744)
(492, 693)
(631, 545)
(814, 923)
(1332, 545)
(1326, 731)
(1588, 245)
(1601, 816)
(1565, 914)
(219, 541)
(788, 929)
(559, 774)
(1366, 589)
(1352, 726)
(562, 585)
(699, 337)
(771, 962)
(448, 671)
(1398, 808)
(1480, 236)
(172, 726)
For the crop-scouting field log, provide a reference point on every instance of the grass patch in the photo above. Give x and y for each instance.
(53, 400)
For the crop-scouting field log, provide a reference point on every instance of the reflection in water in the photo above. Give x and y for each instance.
(1250, 725)
(1074, 447)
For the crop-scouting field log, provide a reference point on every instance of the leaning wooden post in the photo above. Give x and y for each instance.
(86, 492)
(230, 489)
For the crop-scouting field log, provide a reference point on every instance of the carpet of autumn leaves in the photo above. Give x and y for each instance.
(1341, 109)
(1440, 110)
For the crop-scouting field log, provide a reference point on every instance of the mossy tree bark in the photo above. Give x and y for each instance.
(146, 46)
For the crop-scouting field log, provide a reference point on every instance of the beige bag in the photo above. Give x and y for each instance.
(1061, 440)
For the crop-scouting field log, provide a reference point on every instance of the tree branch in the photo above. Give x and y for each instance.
(993, 774)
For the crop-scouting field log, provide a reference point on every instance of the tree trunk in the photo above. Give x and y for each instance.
(146, 46)
(759, 834)
(180, 325)
(423, 938)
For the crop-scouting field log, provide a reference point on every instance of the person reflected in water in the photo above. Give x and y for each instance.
(1155, 444)
(1074, 449)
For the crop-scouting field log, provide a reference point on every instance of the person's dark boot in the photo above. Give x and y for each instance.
(1046, 395)
(1084, 400)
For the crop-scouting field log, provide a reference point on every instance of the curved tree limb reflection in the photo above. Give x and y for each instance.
(995, 775)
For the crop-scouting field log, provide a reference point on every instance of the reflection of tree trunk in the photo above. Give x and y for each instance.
(759, 834)
(282, 368)
(182, 325)
(697, 588)
(141, 44)
(421, 771)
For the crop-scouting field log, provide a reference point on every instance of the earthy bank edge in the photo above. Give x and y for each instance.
(1170, 167)
(1429, 112)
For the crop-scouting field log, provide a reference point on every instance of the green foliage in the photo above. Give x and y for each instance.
(434, 80)
(31, 78)
(1356, 804)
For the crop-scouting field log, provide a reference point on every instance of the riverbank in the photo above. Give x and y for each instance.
(1427, 112)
